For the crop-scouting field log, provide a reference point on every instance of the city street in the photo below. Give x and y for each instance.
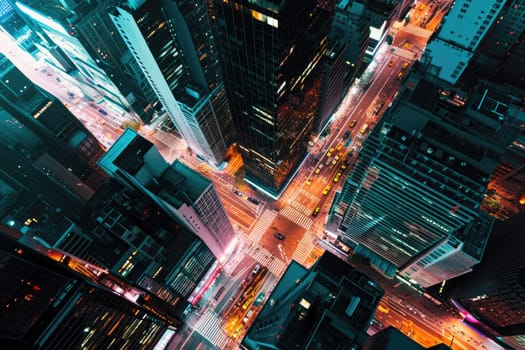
(272, 233)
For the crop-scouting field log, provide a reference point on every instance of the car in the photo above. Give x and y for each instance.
(405, 65)
(391, 63)
(399, 75)
(347, 134)
(378, 108)
(326, 190)
(279, 236)
(316, 211)
(103, 112)
(308, 182)
(352, 124)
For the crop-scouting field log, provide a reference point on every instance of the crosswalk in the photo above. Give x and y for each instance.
(418, 31)
(275, 265)
(262, 225)
(409, 55)
(301, 208)
(209, 327)
(304, 248)
(297, 217)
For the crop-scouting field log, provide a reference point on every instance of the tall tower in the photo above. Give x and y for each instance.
(412, 204)
(173, 44)
(69, 54)
(270, 54)
(46, 135)
(56, 301)
(494, 293)
(184, 194)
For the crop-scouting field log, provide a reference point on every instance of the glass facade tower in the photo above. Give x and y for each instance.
(412, 203)
(270, 54)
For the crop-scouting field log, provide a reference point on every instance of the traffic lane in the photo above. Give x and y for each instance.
(292, 232)
(431, 325)
(226, 194)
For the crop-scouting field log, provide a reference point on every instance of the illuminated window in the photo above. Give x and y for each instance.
(258, 16)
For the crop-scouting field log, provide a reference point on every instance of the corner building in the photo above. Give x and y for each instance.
(270, 54)
(412, 203)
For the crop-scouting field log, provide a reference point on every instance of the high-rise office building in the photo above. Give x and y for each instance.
(494, 293)
(57, 301)
(183, 193)
(351, 27)
(329, 306)
(270, 54)
(335, 80)
(451, 50)
(501, 54)
(412, 203)
(97, 32)
(63, 48)
(46, 135)
(174, 46)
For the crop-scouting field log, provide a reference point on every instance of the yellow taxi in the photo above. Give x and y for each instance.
(326, 190)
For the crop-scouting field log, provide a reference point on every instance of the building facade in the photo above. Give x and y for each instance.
(174, 46)
(184, 194)
(43, 129)
(270, 54)
(412, 203)
(49, 303)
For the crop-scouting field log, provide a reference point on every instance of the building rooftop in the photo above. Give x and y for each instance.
(327, 306)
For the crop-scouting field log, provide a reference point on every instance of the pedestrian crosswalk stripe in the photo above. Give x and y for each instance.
(275, 265)
(297, 217)
(209, 327)
(262, 225)
(304, 248)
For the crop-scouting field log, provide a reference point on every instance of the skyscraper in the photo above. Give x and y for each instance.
(46, 135)
(69, 54)
(270, 52)
(329, 306)
(48, 304)
(174, 46)
(351, 27)
(184, 194)
(494, 293)
(412, 204)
